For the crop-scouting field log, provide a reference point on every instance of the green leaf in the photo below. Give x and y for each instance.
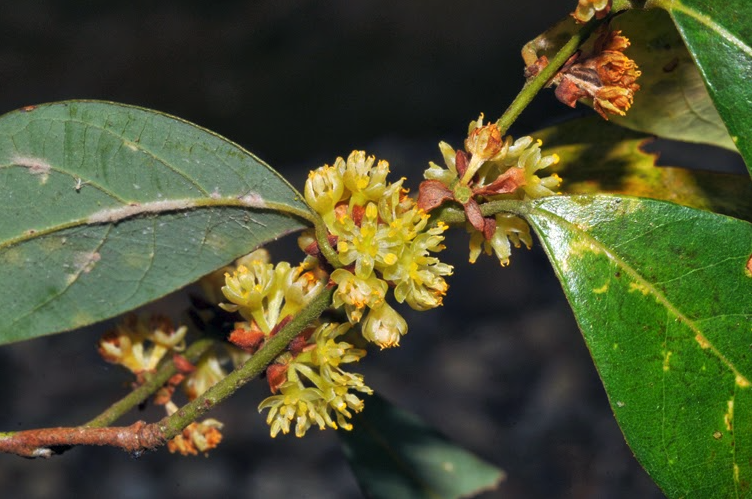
(395, 454)
(106, 207)
(663, 296)
(719, 36)
(598, 157)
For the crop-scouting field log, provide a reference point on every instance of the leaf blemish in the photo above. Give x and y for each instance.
(748, 268)
(728, 418)
(642, 288)
(253, 200)
(704, 343)
(601, 290)
(666, 360)
(112, 215)
(36, 166)
(85, 261)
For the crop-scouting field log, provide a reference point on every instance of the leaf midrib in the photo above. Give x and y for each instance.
(712, 25)
(634, 274)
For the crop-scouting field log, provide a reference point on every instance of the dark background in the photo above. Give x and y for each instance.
(501, 368)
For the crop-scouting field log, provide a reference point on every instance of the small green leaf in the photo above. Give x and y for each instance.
(719, 37)
(395, 454)
(663, 296)
(106, 207)
(598, 157)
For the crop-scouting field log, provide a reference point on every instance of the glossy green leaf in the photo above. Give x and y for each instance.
(663, 296)
(395, 454)
(598, 157)
(106, 207)
(719, 36)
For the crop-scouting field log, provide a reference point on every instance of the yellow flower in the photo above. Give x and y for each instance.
(208, 372)
(356, 293)
(509, 229)
(315, 390)
(140, 345)
(265, 294)
(586, 9)
(384, 326)
(324, 189)
(363, 180)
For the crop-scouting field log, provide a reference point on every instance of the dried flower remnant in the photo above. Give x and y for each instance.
(607, 76)
(196, 437)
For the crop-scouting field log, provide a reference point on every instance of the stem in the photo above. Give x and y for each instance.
(453, 215)
(140, 436)
(172, 425)
(143, 392)
(536, 84)
(322, 238)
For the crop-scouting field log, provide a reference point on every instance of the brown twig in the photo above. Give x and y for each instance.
(141, 436)
(41, 442)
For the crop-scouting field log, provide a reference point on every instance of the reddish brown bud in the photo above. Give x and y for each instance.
(490, 228)
(461, 162)
(357, 214)
(247, 339)
(276, 375)
(536, 67)
(474, 215)
(182, 364)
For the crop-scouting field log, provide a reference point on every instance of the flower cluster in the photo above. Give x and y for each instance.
(490, 169)
(381, 238)
(139, 345)
(308, 383)
(310, 386)
(196, 437)
(266, 295)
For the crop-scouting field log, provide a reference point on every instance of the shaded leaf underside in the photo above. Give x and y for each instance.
(395, 454)
(107, 207)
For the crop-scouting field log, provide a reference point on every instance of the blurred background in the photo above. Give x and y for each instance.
(501, 368)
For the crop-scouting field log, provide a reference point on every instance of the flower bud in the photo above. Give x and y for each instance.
(324, 189)
(384, 326)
